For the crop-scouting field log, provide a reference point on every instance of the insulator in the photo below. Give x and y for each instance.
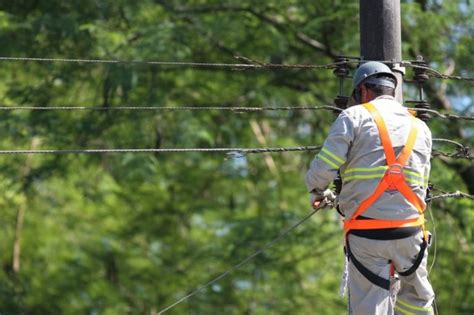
(420, 75)
(342, 70)
(425, 116)
(340, 102)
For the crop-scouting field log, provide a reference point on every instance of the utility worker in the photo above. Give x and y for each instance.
(383, 155)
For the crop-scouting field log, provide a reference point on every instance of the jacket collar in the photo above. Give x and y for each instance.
(385, 97)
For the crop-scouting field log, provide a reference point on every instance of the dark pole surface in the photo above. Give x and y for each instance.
(380, 34)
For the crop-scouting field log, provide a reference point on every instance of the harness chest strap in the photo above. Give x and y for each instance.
(393, 179)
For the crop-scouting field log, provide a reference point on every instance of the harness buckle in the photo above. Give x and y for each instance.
(394, 175)
(395, 169)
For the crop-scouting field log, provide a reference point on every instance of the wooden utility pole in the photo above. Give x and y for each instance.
(380, 35)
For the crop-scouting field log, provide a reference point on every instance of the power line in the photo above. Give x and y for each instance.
(232, 152)
(462, 151)
(250, 65)
(237, 109)
(176, 63)
(443, 115)
(456, 194)
(435, 73)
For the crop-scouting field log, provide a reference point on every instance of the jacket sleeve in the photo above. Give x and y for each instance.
(332, 156)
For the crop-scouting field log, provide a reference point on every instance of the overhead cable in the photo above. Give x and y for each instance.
(456, 194)
(462, 152)
(237, 109)
(443, 115)
(435, 73)
(175, 63)
(251, 65)
(232, 152)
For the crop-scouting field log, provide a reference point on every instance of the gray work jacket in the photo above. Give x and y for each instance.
(353, 146)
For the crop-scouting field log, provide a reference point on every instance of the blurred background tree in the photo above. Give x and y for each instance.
(131, 233)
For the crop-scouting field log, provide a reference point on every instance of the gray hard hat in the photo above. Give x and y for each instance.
(367, 73)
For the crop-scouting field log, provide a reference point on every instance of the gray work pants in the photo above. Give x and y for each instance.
(415, 295)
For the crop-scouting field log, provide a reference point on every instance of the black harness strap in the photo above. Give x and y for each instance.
(417, 261)
(376, 279)
(372, 277)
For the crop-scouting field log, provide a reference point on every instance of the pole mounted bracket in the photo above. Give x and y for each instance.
(420, 76)
(398, 67)
(341, 71)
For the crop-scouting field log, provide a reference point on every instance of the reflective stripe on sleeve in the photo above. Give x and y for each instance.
(330, 158)
(334, 156)
(402, 311)
(407, 308)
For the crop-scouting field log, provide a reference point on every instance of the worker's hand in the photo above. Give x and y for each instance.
(320, 200)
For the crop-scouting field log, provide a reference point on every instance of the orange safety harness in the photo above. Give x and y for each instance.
(393, 179)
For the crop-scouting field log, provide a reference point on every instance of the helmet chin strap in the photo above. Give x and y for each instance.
(357, 95)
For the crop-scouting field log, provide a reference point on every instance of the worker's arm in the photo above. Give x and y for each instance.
(324, 167)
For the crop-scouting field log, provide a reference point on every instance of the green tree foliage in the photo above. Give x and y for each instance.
(131, 233)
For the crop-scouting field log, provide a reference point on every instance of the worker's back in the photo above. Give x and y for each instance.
(365, 163)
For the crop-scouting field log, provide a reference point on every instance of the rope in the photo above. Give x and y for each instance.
(241, 263)
(232, 152)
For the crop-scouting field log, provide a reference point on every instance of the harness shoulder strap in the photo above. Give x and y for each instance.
(383, 132)
(410, 144)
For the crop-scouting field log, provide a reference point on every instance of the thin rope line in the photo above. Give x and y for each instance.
(233, 152)
(241, 263)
